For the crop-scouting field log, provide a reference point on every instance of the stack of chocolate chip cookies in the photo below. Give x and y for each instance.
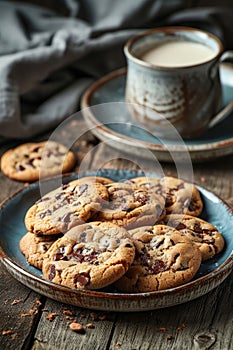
(141, 235)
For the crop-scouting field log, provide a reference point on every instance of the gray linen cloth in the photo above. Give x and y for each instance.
(47, 59)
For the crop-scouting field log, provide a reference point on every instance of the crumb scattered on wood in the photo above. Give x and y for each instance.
(180, 328)
(67, 312)
(38, 303)
(7, 332)
(102, 317)
(14, 335)
(29, 313)
(163, 329)
(94, 316)
(77, 327)
(45, 310)
(69, 318)
(34, 310)
(118, 345)
(16, 301)
(169, 337)
(51, 316)
(90, 325)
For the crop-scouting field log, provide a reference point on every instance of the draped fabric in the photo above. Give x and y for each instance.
(48, 59)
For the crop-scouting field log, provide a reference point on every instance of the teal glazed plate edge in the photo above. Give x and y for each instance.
(217, 142)
(210, 275)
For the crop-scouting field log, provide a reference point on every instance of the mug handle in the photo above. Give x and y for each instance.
(225, 112)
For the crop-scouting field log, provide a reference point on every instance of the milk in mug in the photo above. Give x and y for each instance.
(178, 54)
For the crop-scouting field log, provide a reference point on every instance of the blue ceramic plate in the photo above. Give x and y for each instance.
(217, 141)
(210, 274)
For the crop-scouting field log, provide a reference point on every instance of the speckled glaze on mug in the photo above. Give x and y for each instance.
(187, 97)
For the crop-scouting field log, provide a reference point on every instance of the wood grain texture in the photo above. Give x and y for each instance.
(16, 317)
(187, 326)
(58, 335)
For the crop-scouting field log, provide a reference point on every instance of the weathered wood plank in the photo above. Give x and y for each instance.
(16, 317)
(58, 335)
(203, 323)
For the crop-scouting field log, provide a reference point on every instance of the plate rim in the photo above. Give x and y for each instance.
(222, 270)
(107, 132)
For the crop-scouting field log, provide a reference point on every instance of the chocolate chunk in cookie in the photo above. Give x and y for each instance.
(90, 256)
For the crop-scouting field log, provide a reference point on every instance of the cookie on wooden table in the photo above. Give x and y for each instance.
(69, 205)
(90, 256)
(30, 161)
(164, 259)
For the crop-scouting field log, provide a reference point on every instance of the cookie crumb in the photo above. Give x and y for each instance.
(90, 325)
(169, 337)
(180, 328)
(33, 312)
(118, 345)
(45, 310)
(163, 329)
(77, 327)
(16, 301)
(51, 316)
(7, 332)
(68, 318)
(203, 179)
(29, 313)
(67, 312)
(38, 302)
(14, 335)
(102, 317)
(24, 314)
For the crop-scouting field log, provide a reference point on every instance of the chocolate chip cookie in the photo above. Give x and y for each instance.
(90, 256)
(70, 205)
(203, 234)
(31, 161)
(180, 196)
(131, 206)
(164, 259)
(35, 248)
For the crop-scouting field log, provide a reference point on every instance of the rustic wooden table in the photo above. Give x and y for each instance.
(204, 323)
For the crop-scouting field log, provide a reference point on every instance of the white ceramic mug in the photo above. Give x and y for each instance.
(186, 93)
